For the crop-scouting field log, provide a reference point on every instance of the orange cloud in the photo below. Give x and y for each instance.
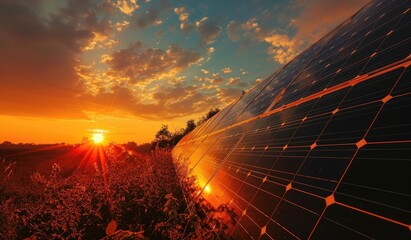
(217, 79)
(282, 48)
(43, 76)
(183, 15)
(137, 64)
(236, 81)
(38, 57)
(127, 6)
(148, 18)
(227, 70)
(227, 95)
(166, 102)
(205, 71)
(315, 18)
(208, 29)
(251, 24)
(120, 26)
(151, 16)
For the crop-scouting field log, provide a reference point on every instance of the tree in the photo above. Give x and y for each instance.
(211, 113)
(163, 133)
(7, 143)
(131, 145)
(189, 127)
(163, 137)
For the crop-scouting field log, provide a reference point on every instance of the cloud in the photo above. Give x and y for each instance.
(148, 18)
(226, 70)
(217, 79)
(248, 29)
(236, 81)
(313, 20)
(167, 102)
(233, 29)
(205, 71)
(120, 26)
(99, 41)
(39, 56)
(282, 48)
(42, 53)
(233, 81)
(251, 24)
(210, 50)
(183, 15)
(137, 64)
(208, 29)
(227, 95)
(186, 27)
(127, 6)
(151, 17)
(165, 93)
(105, 58)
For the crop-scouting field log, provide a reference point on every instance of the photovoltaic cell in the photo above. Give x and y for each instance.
(281, 80)
(321, 149)
(241, 104)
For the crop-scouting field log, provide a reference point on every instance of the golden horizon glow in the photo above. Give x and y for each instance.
(39, 130)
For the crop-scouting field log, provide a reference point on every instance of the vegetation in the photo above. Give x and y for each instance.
(130, 192)
(164, 138)
(127, 197)
(207, 116)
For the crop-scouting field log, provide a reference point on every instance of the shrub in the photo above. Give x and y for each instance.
(132, 198)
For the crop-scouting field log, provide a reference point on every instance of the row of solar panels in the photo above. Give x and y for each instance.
(321, 149)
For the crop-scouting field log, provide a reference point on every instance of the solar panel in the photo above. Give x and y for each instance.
(275, 88)
(321, 149)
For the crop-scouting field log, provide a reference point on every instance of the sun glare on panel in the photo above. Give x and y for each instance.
(207, 189)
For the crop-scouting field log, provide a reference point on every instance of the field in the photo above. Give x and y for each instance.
(94, 192)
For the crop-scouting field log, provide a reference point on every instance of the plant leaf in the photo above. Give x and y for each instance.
(111, 228)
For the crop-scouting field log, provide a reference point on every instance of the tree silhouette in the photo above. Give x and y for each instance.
(211, 113)
(189, 127)
(164, 138)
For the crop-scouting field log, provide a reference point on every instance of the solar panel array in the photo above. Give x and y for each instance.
(322, 148)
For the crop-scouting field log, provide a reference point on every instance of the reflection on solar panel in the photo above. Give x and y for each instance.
(322, 148)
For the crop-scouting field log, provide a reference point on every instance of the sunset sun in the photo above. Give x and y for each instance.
(98, 138)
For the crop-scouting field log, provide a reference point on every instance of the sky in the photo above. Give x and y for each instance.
(128, 66)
